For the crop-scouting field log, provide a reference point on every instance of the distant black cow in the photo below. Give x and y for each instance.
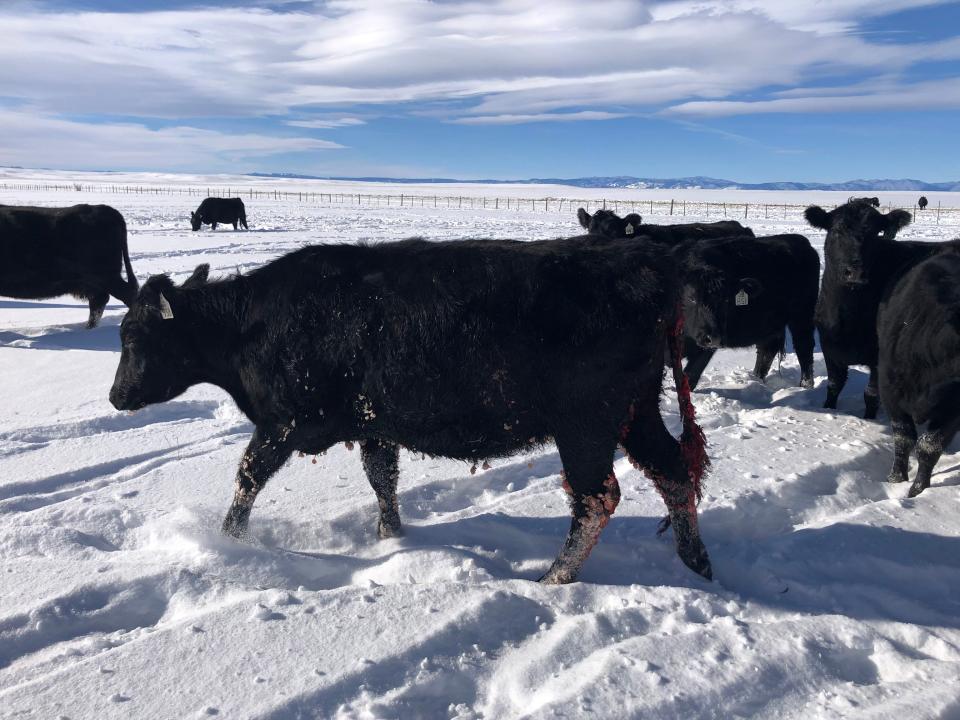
(609, 224)
(744, 291)
(75, 250)
(219, 210)
(861, 258)
(922, 202)
(918, 326)
(469, 349)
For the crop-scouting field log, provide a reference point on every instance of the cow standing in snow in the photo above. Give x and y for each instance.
(79, 250)
(918, 327)
(219, 210)
(743, 291)
(608, 224)
(862, 258)
(468, 349)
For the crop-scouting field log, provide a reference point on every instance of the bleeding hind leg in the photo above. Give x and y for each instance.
(97, 304)
(652, 448)
(381, 462)
(594, 495)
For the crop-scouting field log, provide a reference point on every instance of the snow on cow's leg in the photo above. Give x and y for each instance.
(594, 495)
(97, 304)
(381, 462)
(266, 453)
(904, 440)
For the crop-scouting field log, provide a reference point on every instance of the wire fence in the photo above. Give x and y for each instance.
(675, 208)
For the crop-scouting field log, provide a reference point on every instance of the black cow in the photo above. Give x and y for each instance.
(75, 251)
(609, 224)
(219, 210)
(861, 258)
(918, 326)
(875, 201)
(743, 291)
(468, 349)
(922, 202)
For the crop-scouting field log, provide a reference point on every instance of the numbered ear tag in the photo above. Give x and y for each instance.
(628, 229)
(741, 298)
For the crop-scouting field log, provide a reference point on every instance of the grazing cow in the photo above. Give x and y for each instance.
(918, 326)
(742, 291)
(219, 210)
(469, 349)
(75, 250)
(609, 224)
(922, 202)
(861, 258)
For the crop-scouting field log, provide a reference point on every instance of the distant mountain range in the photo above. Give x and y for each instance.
(628, 181)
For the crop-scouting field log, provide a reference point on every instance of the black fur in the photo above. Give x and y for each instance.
(79, 250)
(609, 224)
(861, 258)
(779, 276)
(470, 349)
(918, 325)
(922, 202)
(219, 210)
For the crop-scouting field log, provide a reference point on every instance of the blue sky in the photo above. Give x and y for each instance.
(740, 89)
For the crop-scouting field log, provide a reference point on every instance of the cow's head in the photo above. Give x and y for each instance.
(156, 361)
(608, 224)
(196, 220)
(711, 300)
(855, 231)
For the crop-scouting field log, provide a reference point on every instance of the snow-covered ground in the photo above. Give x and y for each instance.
(834, 595)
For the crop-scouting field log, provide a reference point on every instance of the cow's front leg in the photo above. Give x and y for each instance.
(381, 462)
(266, 453)
(871, 395)
(767, 351)
(904, 440)
(697, 362)
(213, 226)
(836, 379)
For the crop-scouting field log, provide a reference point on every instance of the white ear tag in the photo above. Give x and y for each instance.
(741, 298)
(628, 229)
(166, 312)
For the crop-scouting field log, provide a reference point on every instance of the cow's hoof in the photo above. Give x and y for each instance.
(915, 490)
(870, 414)
(896, 478)
(385, 531)
(806, 383)
(694, 556)
(558, 575)
(830, 405)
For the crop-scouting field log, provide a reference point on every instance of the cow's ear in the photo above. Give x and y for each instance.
(751, 286)
(634, 218)
(896, 219)
(155, 294)
(198, 278)
(818, 217)
(192, 214)
(584, 217)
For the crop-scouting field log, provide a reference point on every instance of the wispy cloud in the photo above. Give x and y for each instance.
(538, 117)
(321, 124)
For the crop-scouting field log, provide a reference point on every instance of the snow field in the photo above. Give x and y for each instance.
(835, 596)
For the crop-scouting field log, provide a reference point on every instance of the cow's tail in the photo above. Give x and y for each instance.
(132, 284)
(693, 443)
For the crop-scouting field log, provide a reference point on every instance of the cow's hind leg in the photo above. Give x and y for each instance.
(904, 440)
(653, 449)
(234, 225)
(767, 350)
(594, 495)
(265, 454)
(97, 304)
(871, 395)
(801, 331)
(381, 462)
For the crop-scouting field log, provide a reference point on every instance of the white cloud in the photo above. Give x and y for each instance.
(326, 124)
(471, 58)
(46, 141)
(538, 117)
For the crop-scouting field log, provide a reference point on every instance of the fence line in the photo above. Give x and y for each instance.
(677, 208)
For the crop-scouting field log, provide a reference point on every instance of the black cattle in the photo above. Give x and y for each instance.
(922, 202)
(744, 291)
(861, 257)
(918, 326)
(77, 250)
(469, 349)
(875, 201)
(609, 224)
(219, 210)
